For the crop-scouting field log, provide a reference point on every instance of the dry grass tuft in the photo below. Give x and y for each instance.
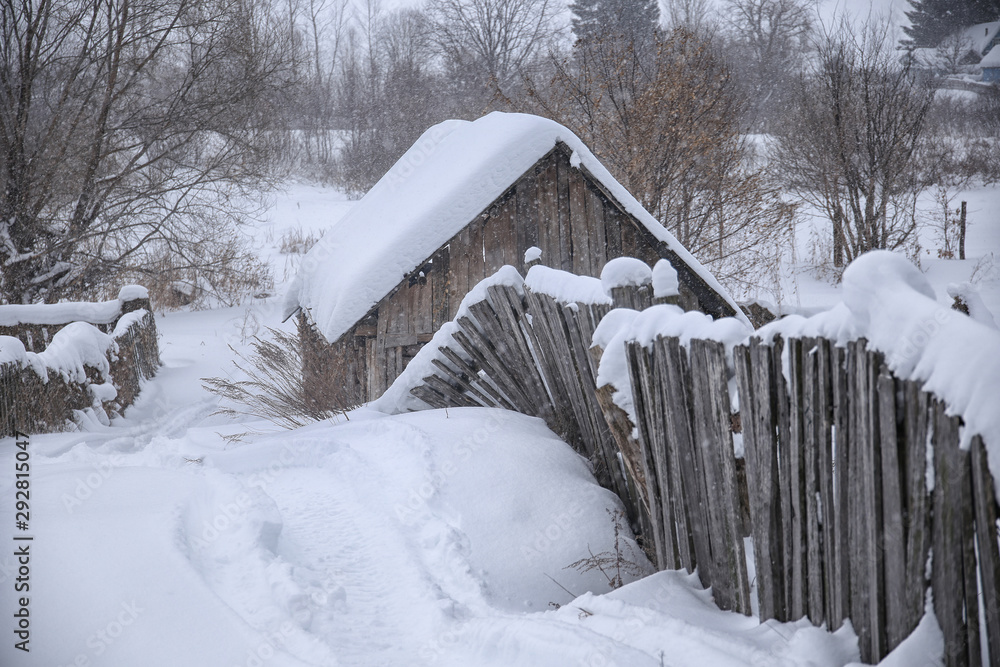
(274, 388)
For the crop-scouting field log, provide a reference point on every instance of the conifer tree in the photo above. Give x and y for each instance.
(596, 20)
(933, 20)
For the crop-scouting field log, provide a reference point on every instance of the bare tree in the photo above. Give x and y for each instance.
(768, 42)
(387, 94)
(850, 148)
(492, 39)
(668, 129)
(121, 123)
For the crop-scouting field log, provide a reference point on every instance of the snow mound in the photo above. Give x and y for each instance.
(565, 287)
(665, 282)
(623, 325)
(625, 272)
(447, 178)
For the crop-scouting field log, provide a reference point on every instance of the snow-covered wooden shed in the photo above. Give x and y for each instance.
(465, 199)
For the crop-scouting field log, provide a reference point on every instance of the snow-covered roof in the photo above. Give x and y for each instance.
(447, 178)
(980, 35)
(991, 59)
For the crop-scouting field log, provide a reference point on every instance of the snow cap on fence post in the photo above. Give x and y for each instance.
(628, 281)
(666, 285)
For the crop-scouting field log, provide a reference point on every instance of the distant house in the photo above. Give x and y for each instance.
(961, 51)
(990, 65)
(465, 199)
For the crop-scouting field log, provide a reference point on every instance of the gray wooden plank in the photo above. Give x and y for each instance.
(985, 509)
(894, 537)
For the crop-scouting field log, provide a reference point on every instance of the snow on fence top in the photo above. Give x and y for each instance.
(397, 398)
(447, 178)
(104, 312)
(622, 324)
(566, 287)
(888, 302)
(625, 272)
(73, 348)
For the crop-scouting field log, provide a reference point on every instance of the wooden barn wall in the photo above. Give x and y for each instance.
(553, 206)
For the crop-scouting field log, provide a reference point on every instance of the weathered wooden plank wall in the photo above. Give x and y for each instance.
(852, 476)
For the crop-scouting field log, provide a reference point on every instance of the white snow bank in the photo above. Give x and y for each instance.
(132, 292)
(623, 325)
(625, 272)
(446, 179)
(532, 254)
(665, 282)
(565, 287)
(969, 294)
(103, 312)
(397, 398)
(127, 320)
(76, 346)
(889, 302)
(72, 349)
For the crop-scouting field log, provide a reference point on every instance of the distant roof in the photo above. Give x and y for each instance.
(991, 59)
(447, 178)
(980, 35)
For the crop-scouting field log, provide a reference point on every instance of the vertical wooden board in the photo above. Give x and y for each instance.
(756, 369)
(696, 492)
(596, 230)
(630, 237)
(507, 235)
(710, 399)
(526, 218)
(858, 510)
(955, 601)
(458, 271)
(985, 508)
(874, 541)
(612, 231)
(783, 477)
(824, 408)
(439, 280)
(641, 379)
(812, 424)
(839, 383)
(493, 247)
(563, 211)
(796, 526)
(477, 260)
(582, 257)
(548, 214)
(918, 452)
(894, 537)
(673, 474)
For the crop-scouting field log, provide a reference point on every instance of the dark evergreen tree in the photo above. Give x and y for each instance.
(933, 20)
(599, 20)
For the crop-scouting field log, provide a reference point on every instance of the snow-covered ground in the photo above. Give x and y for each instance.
(437, 538)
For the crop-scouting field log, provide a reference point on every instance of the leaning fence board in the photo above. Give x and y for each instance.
(948, 539)
(813, 422)
(894, 538)
(794, 486)
(918, 534)
(711, 411)
(650, 425)
(985, 507)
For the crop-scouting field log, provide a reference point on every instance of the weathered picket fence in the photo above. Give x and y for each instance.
(39, 394)
(849, 479)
